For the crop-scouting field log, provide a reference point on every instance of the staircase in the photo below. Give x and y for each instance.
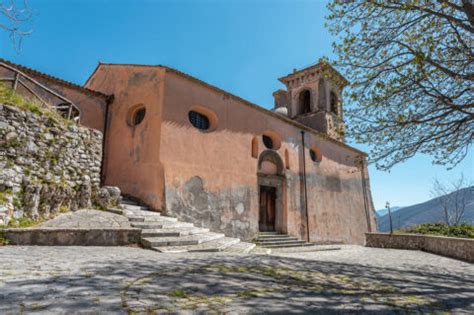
(169, 235)
(278, 240)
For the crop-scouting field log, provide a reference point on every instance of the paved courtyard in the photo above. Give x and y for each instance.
(103, 280)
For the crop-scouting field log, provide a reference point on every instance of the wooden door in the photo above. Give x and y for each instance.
(266, 220)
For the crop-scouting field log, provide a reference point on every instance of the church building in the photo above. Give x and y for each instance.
(203, 155)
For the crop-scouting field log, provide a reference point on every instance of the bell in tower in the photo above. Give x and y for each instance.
(313, 98)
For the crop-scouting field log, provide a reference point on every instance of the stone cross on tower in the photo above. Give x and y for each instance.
(313, 97)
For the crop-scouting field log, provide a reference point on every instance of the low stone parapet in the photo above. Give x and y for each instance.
(71, 236)
(459, 248)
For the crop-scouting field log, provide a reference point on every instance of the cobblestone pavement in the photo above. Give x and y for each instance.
(88, 218)
(104, 280)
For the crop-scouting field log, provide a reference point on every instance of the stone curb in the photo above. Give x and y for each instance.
(72, 236)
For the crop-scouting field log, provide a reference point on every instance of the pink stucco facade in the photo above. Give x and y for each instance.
(213, 177)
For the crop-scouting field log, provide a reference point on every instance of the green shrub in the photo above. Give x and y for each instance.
(4, 196)
(3, 241)
(463, 230)
(22, 223)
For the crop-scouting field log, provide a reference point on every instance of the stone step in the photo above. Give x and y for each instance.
(168, 235)
(287, 245)
(307, 248)
(147, 219)
(270, 233)
(215, 245)
(241, 248)
(161, 225)
(174, 225)
(157, 218)
(286, 240)
(115, 210)
(135, 219)
(129, 202)
(280, 242)
(163, 217)
(181, 240)
(134, 207)
(173, 232)
(141, 213)
(275, 238)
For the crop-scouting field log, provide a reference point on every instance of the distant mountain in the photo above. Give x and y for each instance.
(427, 212)
(382, 212)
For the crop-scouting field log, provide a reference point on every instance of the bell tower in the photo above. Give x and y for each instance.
(313, 97)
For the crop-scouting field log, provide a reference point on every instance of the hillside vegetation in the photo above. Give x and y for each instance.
(430, 211)
(461, 230)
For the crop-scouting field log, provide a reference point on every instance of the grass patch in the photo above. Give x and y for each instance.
(247, 294)
(4, 196)
(22, 223)
(63, 209)
(178, 293)
(3, 240)
(10, 97)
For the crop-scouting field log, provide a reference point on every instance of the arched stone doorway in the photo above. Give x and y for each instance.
(271, 192)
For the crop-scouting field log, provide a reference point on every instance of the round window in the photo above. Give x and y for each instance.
(315, 155)
(267, 141)
(138, 116)
(199, 120)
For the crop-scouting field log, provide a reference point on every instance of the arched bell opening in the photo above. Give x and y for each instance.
(304, 102)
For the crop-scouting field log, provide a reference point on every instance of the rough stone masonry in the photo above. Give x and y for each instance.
(48, 165)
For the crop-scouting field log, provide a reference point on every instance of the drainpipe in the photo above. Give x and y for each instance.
(305, 187)
(365, 195)
(104, 139)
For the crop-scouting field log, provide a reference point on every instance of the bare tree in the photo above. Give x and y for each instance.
(14, 19)
(453, 198)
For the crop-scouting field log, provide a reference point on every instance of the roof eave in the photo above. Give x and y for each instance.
(55, 79)
(266, 111)
(290, 76)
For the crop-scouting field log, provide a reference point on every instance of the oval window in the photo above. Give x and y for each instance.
(138, 116)
(315, 155)
(267, 141)
(199, 120)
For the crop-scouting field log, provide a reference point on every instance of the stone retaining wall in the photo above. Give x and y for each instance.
(71, 236)
(459, 248)
(47, 165)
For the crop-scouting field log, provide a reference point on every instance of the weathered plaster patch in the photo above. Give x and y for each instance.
(141, 77)
(226, 211)
(239, 208)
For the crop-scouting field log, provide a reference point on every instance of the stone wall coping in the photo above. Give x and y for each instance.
(50, 236)
(421, 236)
(59, 229)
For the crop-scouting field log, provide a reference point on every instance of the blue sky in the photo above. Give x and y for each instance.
(241, 46)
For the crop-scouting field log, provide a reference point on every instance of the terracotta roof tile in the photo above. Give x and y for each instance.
(55, 79)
